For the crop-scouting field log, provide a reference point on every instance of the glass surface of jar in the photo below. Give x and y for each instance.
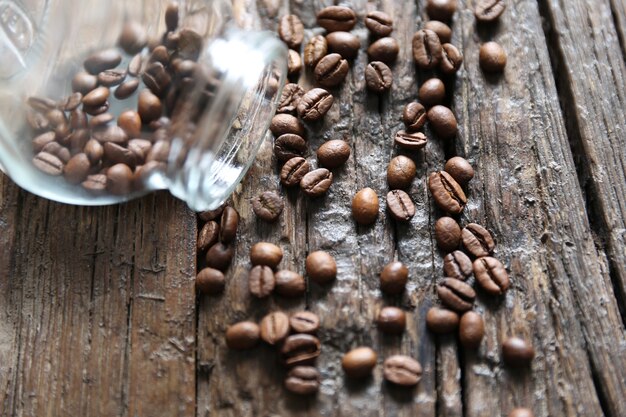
(105, 101)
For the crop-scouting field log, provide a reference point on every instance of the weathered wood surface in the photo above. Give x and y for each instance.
(97, 308)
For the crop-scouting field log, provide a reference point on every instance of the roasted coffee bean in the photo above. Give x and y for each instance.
(110, 78)
(441, 29)
(492, 57)
(489, 10)
(94, 150)
(189, 44)
(400, 205)
(321, 267)
(56, 118)
(291, 31)
(359, 362)
(491, 275)
(102, 61)
(274, 327)
(84, 83)
(42, 140)
(97, 97)
(304, 322)
(294, 63)
(451, 59)
(379, 23)
(149, 106)
(443, 122)
(210, 281)
(96, 110)
(119, 179)
(133, 37)
(157, 79)
(447, 234)
(365, 206)
(441, 9)
(171, 17)
(71, 102)
(101, 120)
(459, 169)
(336, 18)
(393, 278)
(208, 236)
(401, 172)
(446, 192)
(184, 68)
(140, 148)
(477, 240)
(331, 70)
(78, 119)
(414, 116)
(76, 169)
(343, 43)
(521, 412)
(303, 380)
(426, 49)
(471, 330)
(333, 154)
(160, 54)
(283, 124)
(95, 184)
(384, 50)
(402, 370)
(315, 104)
(412, 141)
(37, 121)
(42, 104)
(293, 171)
(315, 50)
(378, 77)
(162, 122)
(441, 320)
(289, 283)
(159, 151)
(58, 150)
(289, 146)
(229, 224)
(264, 253)
(391, 320)
(456, 294)
(300, 349)
(209, 215)
(48, 164)
(135, 65)
(289, 99)
(243, 335)
(119, 154)
(432, 92)
(317, 182)
(267, 206)
(113, 134)
(219, 256)
(457, 265)
(517, 352)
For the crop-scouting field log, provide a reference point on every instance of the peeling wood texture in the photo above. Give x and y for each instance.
(98, 314)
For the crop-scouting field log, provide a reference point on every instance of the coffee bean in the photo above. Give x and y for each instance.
(333, 154)
(210, 281)
(315, 104)
(303, 380)
(365, 206)
(289, 99)
(336, 18)
(489, 10)
(130, 121)
(243, 335)
(94, 150)
(451, 59)
(492, 57)
(293, 171)
(113, 134)
(441, 320)
(289, 146)
(100, 121)
(133, 37)
(110, 78)
(209, 215)
(268, 206)
(432, 92)
(456, 294)
(274, 327)
(264, 253)
(291, 31)
(294, 63)
(379, 23)
(343, 43)
(304, 322)
(77, 168)
(459, 169)
(315, 50)
(441, 9)
(184, 68)
(491, 275)
(71, 102)
(219, 256)
(48, 164)
(102, 61)
(400, 205)
(283, 124)
(157, 79)
(443, 122)
(441, 29)
(457, 265)
(229, 224)
(447, 234)
(391, 320)
(96, 110)
(393, 278)
(517, 352)
(171, 17)
(412, 141)
(97, 97)
(321, 267)
(84, 83)
(95, 184)
(189, 44)
(208, 236)
(426, 49)
(401, 172)
(477, 240)
(414, 116)
(331, 70)
(378, 77)
(42, 140)
(521, 412)
(384, 50)
(37, 121)
(119, 179)
(160, 54)
(359, 362)
(149, 106)
(317, 182)
(289, 283)
(58, 150)
(446, 192)
(56, 118)
(402, 370)
(471, 330)
(135, 65)
(78, 119)
(300, 349)
(159, 152)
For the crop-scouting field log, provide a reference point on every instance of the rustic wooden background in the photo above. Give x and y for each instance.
(98, 315)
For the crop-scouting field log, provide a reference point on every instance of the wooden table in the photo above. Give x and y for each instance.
(98, 315)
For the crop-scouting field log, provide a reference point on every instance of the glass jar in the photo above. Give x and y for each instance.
(205, 95)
